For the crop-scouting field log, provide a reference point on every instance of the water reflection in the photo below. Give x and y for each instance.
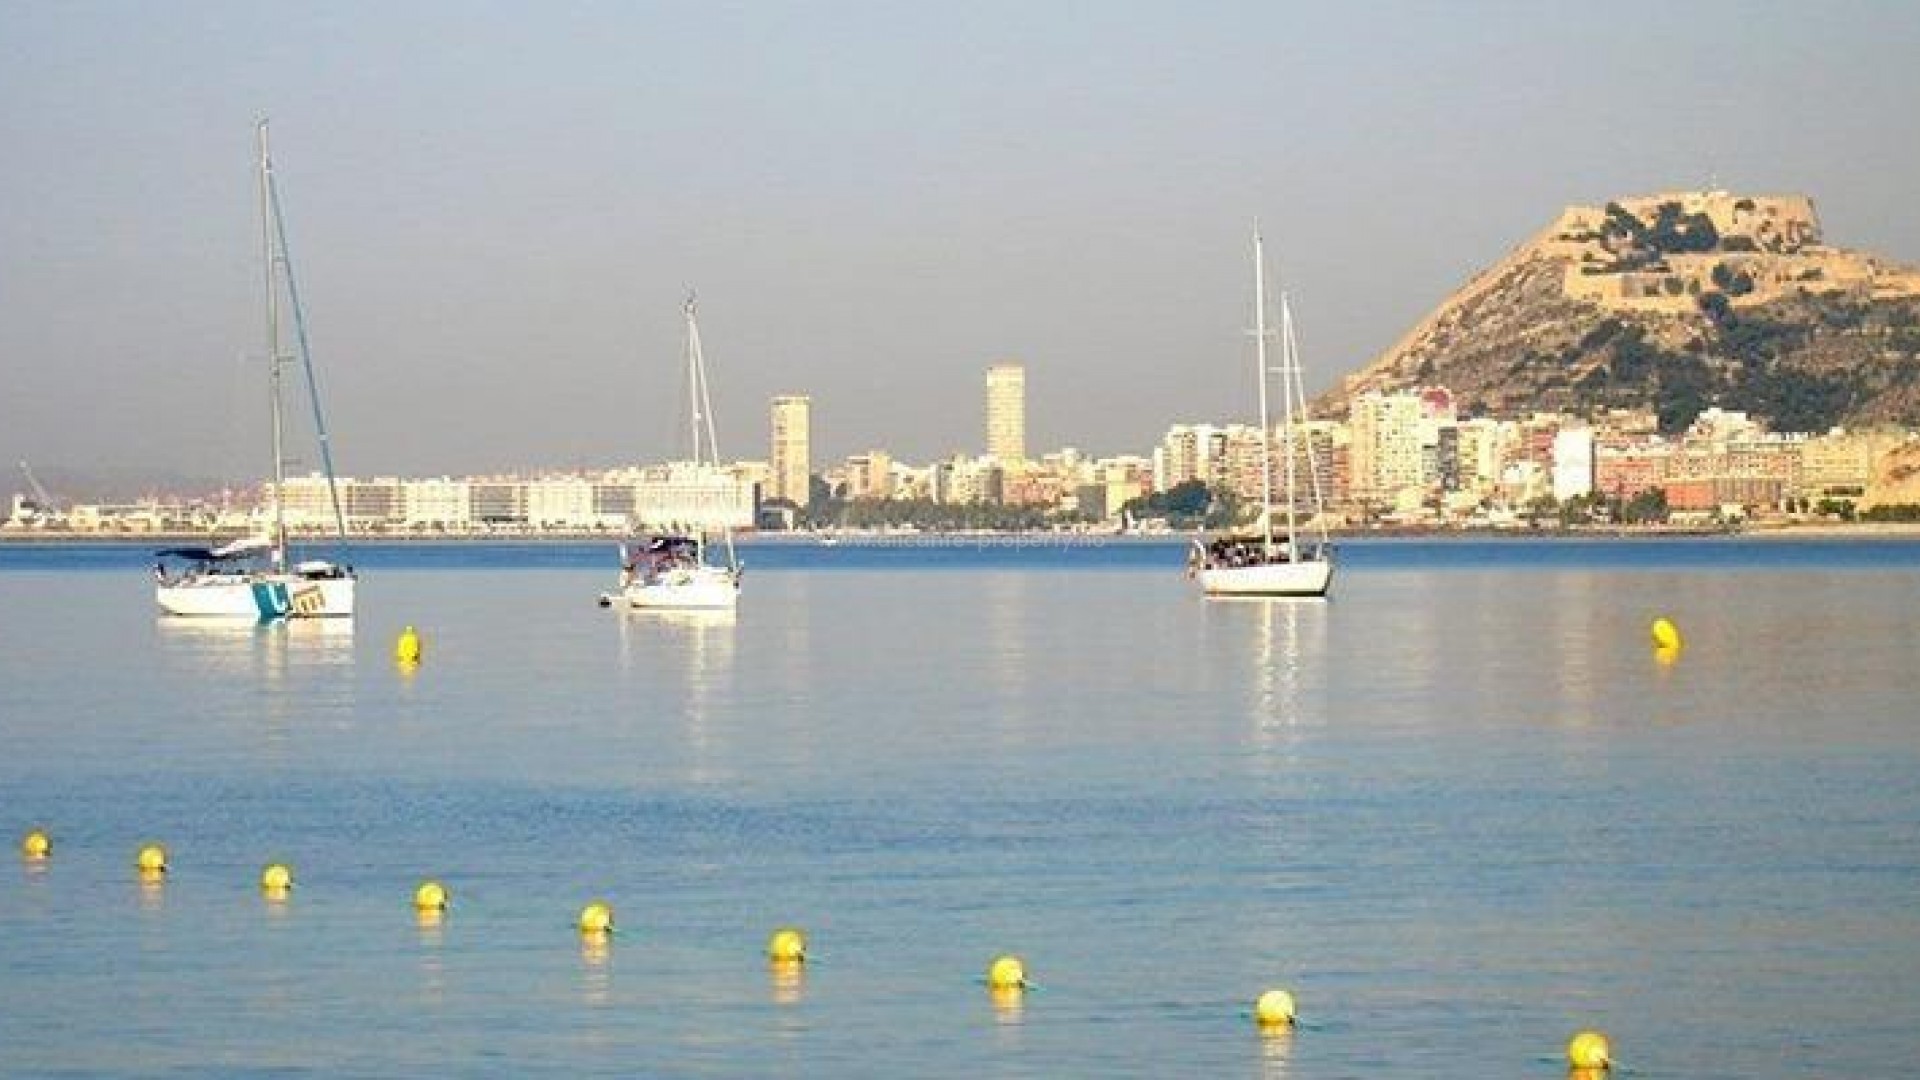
(229, 648)
(1571, 606)
(153, 891)
(1282, 640)
(596, 969)
(1008, 1003)
(1006, 634)
(274, 674)
(787, 979)
(695, 650)
(432, 964)
(1276, 1051)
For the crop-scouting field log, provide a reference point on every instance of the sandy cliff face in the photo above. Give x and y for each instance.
(1896, 478)
(1673, 302)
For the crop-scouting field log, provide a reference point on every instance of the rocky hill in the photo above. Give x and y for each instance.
(1673, 302)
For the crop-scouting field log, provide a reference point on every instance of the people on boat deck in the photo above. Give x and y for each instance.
(657, 559)
(1222, 554)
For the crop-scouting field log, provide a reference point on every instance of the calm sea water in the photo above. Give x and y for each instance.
(1460, 810)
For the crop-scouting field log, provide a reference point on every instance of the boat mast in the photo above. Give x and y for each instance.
(694, 412)
(1290, 368)
(1297, 387)
(1260, 366)
(273, 351)
(706, 445)
(278, 243)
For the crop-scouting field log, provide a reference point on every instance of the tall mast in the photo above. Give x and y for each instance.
(1290, 368)
(695, 390)
(278, 245)
(1296, 386)
(268, 260)
(706, 444)
(1260, 366)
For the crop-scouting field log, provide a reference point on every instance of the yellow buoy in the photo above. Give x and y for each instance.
(596, 918)
(1665, 634)
(1007, 973)
(430, 896)
(36, 844)
(1589, 1050)
(407, 649)
(152, 859)
(276, 878)
(1274, 1009)
(787, 945)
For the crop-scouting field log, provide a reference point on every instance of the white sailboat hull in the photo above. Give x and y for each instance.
(706, 588)
(1309, 578)
(257, 596)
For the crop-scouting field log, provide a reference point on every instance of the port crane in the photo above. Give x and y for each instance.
(41, 504)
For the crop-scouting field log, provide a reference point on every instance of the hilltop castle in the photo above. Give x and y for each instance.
(1659, 254)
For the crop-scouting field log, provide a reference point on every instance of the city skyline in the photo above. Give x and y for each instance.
(493, 230)
(1405, 457)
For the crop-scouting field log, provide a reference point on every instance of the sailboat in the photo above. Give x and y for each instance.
(674, 570)
(1273, 562)
(256, 577)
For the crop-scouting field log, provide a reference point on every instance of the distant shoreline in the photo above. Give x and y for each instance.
(1036, 538)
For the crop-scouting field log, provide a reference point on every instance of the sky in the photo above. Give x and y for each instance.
(495, 209)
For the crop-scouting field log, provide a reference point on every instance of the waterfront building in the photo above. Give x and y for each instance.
(1035, 487)
(1190, 452)
(1572, 462)
(1839, 464)
(305, 502)
(497, 503)
(962, 479)
(869, 475)
(792, 464)
(1386, 452)
(1007, 414)
(438, 504)
(1122, 480)
(1623, 471)
(691, 496)
(562, 502)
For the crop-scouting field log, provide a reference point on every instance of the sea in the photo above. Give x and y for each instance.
(1461, 810)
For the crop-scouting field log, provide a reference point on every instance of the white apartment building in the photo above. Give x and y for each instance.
(678, 495)
(1572, 462)
(1386, 456)
(1190, 452)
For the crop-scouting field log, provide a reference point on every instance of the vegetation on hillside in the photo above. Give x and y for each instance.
(1769, 362)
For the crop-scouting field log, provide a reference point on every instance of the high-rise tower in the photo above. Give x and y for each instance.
(791, 462)
(1007, 413)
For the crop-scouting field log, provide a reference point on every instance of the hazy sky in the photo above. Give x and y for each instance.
(495, 208)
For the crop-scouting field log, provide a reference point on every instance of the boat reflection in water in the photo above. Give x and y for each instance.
(261, 681)
(689, 652)
(230, 646)
(1275, 648)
